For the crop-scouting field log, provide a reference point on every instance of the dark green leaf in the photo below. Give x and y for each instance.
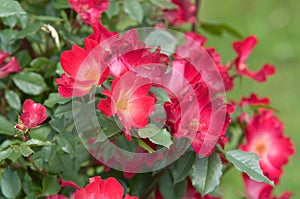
(170, 191)
(182, 166)
(55, 98)
(23, 57)
(206, 173)
(9, 8)
(29, 30)
(6, 127)
(247, 163)
(10, 183)
(219, 28)
(134, 9)
(8, 40)
(30, 83)
(164, 4)
(29, 187)
(13, 100)
(50, 185)
(162, 138)
(66, 142)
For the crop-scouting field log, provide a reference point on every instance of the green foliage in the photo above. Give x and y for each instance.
(206, 173)
(247, 163)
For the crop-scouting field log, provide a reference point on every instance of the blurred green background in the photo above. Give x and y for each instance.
(277, 26)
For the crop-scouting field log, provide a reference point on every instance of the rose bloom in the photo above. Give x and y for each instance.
(7, 67)
(102, 189)
(185, 12)
(264, 136)
(33, 114)
(244, 49)
(260, 190)
(89, 10)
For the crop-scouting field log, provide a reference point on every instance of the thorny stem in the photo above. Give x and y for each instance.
(198, 5)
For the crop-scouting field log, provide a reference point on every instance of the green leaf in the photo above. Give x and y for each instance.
(145, 146)
(162, 138)
(10, 183)
(182, 166)
(149, 131)
(30, 83)
(206, 173)
(48, 18)
(8, 40)
(134, 9)
(30, 187)
(9, 8)
(35, 142)
(5, 154)
(55, 98)
(170, 191)
(217, 28)
(13, 100)
(164, 4)
(161, 94)
(25, 150)
(23, 57)
(50, 185)
(6, 127)
(40, 133)
(66, 142)
(29, 30)
(162, 38)
(247, 163)
(113, 9)
(61, 4)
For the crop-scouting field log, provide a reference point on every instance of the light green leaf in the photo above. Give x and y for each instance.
(162, 38)
(217, 28)
(6, 127)
(10, 183)
(113, 9)
(9, 8)
(30, 83)
(247, 163)
(55, 98)
(182, 166)
(25, 150)
(134, 9)
(164, 4)
(160, 94)
(47, 18)
(149, 131)
(162, 138)
(5, 154)
(206, 173)
(13, 100)
(35, 142)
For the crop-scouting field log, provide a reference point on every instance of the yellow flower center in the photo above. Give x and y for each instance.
(122, 104)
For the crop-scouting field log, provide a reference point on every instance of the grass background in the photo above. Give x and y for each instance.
(276, 25)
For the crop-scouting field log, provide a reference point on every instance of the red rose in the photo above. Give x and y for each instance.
(33, 114)
(102, 189)
(8, 67)
(244, 49)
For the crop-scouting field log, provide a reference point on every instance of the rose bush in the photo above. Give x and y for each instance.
(140, 113)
